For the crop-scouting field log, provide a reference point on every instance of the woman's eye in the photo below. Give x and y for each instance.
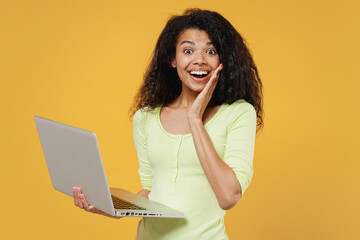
(187, 51)
(211, 51)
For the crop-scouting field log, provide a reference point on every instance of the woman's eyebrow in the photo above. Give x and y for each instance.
(190, 42)
(193, 43)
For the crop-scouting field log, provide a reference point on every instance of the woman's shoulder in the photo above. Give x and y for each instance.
(238, 112)
(145, 113)
(239, 107)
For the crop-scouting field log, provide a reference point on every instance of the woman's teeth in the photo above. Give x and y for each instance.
(199, 73)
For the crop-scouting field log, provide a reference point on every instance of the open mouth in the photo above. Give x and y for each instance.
(199, 74)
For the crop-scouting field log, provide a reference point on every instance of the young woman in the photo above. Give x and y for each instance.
(195, 120)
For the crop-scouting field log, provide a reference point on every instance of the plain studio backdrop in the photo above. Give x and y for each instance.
(81, 63)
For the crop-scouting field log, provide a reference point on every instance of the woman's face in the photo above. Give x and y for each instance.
(195, 60)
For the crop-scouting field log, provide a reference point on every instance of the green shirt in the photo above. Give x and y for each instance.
(171, 170)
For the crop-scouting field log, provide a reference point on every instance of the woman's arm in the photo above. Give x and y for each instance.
(144, 193)
(221, 177)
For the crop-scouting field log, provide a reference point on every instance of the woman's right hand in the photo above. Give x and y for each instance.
(81, 202)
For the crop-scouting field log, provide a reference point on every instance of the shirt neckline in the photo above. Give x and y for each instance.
(188, 134)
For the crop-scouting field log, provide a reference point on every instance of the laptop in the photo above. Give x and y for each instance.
(73, 159)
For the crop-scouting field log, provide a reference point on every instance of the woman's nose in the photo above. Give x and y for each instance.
(199, 58)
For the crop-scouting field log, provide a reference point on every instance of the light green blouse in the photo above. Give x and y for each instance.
(170, 169)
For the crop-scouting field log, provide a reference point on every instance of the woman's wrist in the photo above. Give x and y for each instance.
(194, 120)
(195, 124)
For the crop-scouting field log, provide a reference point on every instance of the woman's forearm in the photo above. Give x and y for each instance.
(221, 177)
(144, 193)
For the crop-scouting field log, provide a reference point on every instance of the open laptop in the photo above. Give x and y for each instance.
(73, 159)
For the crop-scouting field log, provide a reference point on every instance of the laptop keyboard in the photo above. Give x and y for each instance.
(122, 204)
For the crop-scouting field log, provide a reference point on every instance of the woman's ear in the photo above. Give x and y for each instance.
(173, 63)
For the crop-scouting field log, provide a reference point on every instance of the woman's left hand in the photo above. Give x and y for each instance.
(198, 107)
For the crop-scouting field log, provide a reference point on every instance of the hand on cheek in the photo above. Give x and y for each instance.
(198, 107)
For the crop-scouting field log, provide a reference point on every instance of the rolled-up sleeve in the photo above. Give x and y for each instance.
(240, 143)
(145, 171)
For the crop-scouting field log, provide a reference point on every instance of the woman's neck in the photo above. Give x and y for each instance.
(185, 100)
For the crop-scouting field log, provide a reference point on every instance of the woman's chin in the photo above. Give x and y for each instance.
(197, 89)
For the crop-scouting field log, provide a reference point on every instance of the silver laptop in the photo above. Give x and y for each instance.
(73, 159)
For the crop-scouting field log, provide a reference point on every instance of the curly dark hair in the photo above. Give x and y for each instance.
(239, 78)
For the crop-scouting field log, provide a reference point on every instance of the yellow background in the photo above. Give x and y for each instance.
(81, 63)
